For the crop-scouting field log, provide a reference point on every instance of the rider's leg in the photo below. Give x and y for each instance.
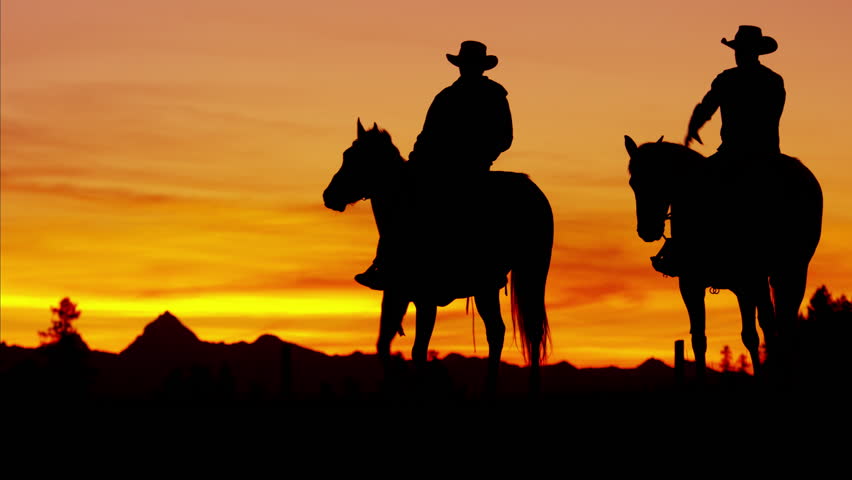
(374, 277)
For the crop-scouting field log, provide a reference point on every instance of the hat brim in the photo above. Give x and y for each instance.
(762, 47)
(486, 63)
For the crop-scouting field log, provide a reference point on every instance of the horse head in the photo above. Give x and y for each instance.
(365, 165)
(649, 181)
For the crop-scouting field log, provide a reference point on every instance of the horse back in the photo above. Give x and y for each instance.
(471, 231)
(514, 197)
(798, 206)
(735, 211)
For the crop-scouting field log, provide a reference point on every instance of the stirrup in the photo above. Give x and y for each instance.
(371, 278)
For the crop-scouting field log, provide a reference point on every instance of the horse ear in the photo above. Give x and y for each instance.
(661, 139)
(630, 145)
(375, 127)
(361, 130)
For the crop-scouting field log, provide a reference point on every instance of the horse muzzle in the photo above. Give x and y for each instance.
(650, 235)
(336, 205)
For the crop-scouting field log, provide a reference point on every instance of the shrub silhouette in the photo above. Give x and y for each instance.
(61, 327)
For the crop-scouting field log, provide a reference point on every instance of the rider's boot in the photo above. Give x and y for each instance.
(373, 278)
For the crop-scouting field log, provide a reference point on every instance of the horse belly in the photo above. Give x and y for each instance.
(457, 249)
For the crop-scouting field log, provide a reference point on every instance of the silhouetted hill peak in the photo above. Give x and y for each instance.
(166, 334)
(654, 365)
(563, 366)
(268, 340)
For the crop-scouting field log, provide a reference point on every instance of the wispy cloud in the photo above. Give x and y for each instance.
(268, 284)
(117, 197)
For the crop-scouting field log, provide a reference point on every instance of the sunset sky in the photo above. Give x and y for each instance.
(171, 155)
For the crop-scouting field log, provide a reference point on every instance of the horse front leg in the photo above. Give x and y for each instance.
(427, 379)
(488, 304)
(692, 292)
(425, 325)
(394, 307)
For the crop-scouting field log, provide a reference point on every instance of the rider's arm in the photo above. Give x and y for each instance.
(499, 135)
(782, 97)
(505, 131)
(426, 139)
(703, 112)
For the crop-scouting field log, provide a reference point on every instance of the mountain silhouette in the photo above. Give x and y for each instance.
(165, 334)
(169, 365)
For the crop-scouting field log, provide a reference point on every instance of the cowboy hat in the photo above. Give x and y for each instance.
(751, 38)
(472, 53)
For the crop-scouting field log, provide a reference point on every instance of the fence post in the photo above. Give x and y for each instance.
(678, 363)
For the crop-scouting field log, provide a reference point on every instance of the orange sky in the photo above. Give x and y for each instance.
(161, 156)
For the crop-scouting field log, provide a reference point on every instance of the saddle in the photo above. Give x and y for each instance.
(731, 223)
(453, 247)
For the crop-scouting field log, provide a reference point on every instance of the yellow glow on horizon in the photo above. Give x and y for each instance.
(311, 304)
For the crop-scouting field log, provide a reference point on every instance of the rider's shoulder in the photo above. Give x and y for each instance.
(736, 74)
(446, 93)
(771, 73)
(495, 86)
(481, 85)
(726, 77)
(729, 73)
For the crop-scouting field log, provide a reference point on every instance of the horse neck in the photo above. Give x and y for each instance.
(685, 187)
(388, 181)
(682, 174)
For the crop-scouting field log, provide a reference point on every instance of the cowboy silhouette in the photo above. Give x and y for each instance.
(467, 127)
(469, 123)
(739, 175)
(750, 96)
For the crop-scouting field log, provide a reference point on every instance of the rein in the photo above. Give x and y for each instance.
(713, 290)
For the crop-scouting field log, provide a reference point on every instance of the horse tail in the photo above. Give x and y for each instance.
(529, 278)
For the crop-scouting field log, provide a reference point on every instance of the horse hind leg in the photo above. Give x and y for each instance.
(488, 305)
(748, 303)
(788, 292)
(766, 320)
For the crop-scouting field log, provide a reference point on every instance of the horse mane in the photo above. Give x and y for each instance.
(380, 132)
(663, 152)
(381, 138)
(375, 134)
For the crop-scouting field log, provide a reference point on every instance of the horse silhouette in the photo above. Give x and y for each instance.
(723, 242)
(374, 169)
